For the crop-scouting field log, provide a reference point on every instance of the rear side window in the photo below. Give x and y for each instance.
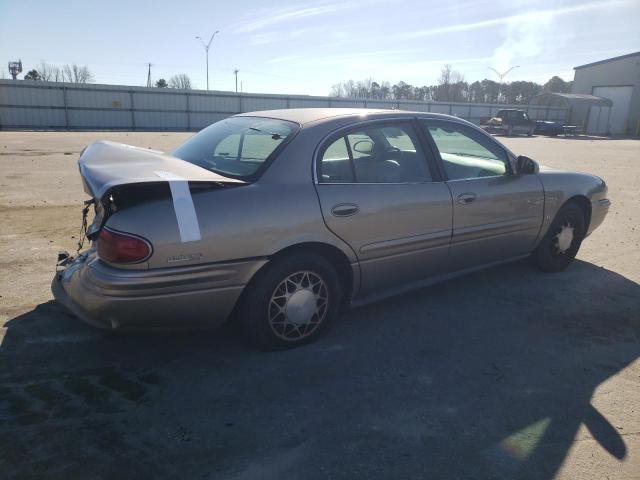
(237, 147)
(375, 154)
(336, 164)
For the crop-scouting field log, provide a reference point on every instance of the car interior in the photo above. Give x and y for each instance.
(380, 155)
(388, 155)
(467, 154)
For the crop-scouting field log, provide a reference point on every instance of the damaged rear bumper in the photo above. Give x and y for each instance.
(199, 296)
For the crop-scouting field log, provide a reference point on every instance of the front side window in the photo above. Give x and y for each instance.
(375, 154)
(237, 146)
(467, 153)
(361, 144)
(398, 138)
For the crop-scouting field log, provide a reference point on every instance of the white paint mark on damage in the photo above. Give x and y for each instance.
(183, 206)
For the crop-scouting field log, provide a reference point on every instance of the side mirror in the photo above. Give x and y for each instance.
(526, 165)
(363, 146)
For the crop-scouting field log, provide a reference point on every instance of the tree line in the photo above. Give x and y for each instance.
(66, 73)
(451, 87)
(81, 74)
(180, 81)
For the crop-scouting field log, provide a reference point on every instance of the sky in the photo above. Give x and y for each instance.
(304, 47)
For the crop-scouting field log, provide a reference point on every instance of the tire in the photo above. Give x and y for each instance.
(556, 251)
(530, 132)
(272, 320)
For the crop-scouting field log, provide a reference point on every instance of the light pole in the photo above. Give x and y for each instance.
(502, 75)
(206, 49)
(236, 74)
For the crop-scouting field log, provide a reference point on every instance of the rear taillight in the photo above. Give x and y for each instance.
(118, 247)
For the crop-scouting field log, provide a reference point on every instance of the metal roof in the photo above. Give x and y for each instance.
(607, 60)
(570, 99)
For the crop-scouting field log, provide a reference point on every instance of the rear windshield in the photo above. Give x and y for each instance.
(238, 146)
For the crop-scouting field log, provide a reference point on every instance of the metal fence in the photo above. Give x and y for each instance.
(28, 104)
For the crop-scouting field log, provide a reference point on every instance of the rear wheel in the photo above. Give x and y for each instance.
(291, 302)
(562, 241)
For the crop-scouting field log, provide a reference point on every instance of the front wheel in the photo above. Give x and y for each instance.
(291, 302)
(562, 241)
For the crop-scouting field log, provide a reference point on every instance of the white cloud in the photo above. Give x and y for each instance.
(537, 33)
(267, 18)
(526, 37)
(265, 38)
(399, 64)
(284, 59)
(533, 16)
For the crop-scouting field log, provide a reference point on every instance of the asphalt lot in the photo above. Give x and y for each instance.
(507, 373)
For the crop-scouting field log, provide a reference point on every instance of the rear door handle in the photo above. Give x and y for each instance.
(466, 198)
(344, 209)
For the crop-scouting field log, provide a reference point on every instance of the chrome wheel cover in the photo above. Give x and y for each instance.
(563, 239)
(298, 306)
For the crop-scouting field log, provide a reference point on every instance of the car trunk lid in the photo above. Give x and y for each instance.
(116, 176)
(105, 165)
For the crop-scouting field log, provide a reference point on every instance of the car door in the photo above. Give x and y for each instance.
(381, 194)
(521, 122)
(497, 213)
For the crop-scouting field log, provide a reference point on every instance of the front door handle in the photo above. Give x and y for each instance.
(466, 198)
(344, 209)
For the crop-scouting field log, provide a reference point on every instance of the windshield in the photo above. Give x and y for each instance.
(237, 146)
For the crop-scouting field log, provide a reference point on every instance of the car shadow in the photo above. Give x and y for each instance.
(494, 375)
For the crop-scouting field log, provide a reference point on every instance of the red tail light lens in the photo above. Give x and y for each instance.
(118, 247)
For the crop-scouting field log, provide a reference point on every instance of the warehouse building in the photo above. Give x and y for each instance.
(616, 79)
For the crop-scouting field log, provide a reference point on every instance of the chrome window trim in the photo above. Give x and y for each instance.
(321, 144)
(478, 178)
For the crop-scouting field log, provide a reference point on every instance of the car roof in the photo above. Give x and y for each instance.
(303, 116)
